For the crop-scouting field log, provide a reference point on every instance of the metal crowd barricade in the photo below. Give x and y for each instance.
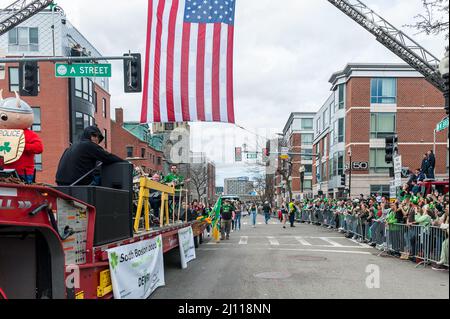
(436, 244)
(377, 233)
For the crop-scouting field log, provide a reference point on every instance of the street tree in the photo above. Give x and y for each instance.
(434, 20)
(199, 180)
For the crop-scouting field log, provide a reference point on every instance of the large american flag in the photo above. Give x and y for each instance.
(188, 74)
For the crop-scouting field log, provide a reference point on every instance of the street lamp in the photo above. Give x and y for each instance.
(302, 177)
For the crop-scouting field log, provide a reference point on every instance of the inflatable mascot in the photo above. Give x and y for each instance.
(18, 144)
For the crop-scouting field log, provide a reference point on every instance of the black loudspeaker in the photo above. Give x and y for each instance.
(113, 211)
(118, 176)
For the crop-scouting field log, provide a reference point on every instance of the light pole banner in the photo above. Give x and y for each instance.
(187, 246)
(137, 270)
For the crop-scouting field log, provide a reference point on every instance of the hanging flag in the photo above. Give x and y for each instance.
(188, 74)
(215, 219)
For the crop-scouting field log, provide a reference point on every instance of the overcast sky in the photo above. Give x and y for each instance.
(285, 53)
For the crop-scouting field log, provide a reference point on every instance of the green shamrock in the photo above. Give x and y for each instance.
(6, 148)
(114, 260)
(158, 242)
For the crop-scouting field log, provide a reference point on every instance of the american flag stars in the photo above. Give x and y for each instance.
(210, 11)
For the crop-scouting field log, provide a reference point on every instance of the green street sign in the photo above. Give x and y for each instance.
(90, 70)
(252, 156)
(443, 125)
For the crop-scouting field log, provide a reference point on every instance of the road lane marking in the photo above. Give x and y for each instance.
(324, 251)
(244, 240)
(273, 241)
(302, 241)
(331, 242)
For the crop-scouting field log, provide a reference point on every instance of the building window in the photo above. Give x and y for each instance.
(307, 157)
(104, 108)
(38, 162)
(130, 151)
(378, 161)
(23, 40)
(324, 171)
(318, 126)
(325, 119)
(37, 119)
(159, 161)
(340, 163)
(307, 124)
(341, 130)
(341, 91)
(13, 79)
(307, 139)
(383, 91)
(95, 102)
(105, 134)
(169, 127)
(84, 89)
(142, 152)
(383, 125)
(325, 146)
(82, 121)
(308, 170)
(307, 185)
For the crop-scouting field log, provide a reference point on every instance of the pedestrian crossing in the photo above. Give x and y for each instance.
(292, 241)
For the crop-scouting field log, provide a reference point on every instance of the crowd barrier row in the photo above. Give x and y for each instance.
(426, 244)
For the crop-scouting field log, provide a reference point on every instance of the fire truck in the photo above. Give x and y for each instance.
(54, 240)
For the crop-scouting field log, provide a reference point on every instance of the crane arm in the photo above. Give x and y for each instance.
(393, 39)
(19, 11)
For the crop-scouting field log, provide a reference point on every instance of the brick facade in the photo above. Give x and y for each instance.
(152, 160)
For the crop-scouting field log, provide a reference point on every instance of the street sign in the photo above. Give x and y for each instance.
(393, 190)
(398, 165)
(75, 70)
(284, 153)
(252, 156)
(442, 125)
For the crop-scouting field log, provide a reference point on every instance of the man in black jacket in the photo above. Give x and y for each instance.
(82, 157)
(431, 165)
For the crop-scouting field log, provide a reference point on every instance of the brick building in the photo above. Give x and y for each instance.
(132, 142)
(64, 107)
(298, 136)
(368, 103)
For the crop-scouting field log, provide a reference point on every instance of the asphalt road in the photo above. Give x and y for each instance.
(269, 262)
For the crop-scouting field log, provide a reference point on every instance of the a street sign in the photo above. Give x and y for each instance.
(252, 156)
(284, 153)
(393, 190)
(442, 125)
(398, 165)
(75, 70)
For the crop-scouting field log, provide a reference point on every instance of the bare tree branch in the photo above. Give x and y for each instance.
(435, 18)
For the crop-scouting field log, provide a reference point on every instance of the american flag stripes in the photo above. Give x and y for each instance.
(188, 75)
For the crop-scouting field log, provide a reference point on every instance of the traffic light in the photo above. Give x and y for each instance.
(391, 148)
(343, 180)
(238, 154)
(132, 73)
(28, 79)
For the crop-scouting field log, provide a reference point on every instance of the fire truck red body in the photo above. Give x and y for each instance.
(38, 261)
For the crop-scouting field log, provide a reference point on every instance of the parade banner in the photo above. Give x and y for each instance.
(187, 246)
(137, 270)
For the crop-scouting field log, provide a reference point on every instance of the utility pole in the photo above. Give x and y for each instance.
(350, 173)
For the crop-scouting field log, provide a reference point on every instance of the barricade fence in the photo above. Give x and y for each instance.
(427, 244)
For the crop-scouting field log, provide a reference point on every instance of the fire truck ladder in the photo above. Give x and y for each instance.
(20, 11)
(393, 39)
